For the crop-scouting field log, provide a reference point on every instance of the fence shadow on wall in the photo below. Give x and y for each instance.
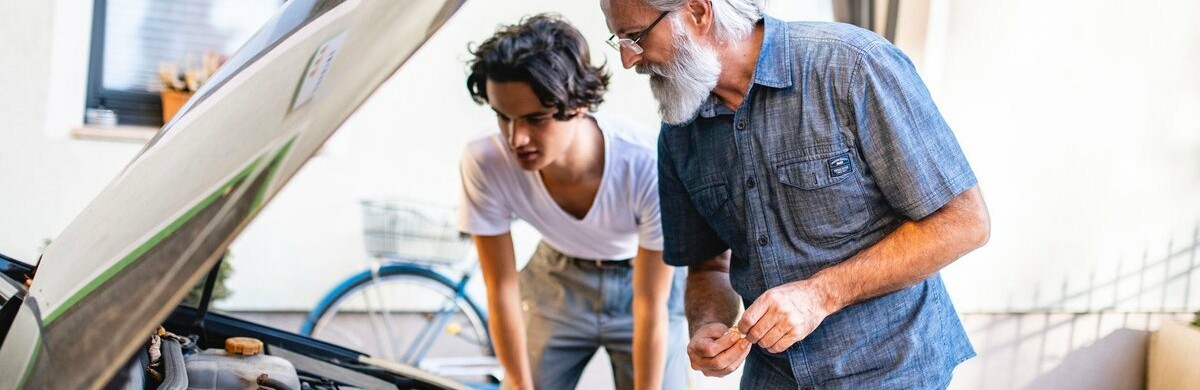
(1097, 328)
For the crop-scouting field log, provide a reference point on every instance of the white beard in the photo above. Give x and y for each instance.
(685, 82)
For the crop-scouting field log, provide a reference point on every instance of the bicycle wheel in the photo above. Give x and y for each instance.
(408, 314)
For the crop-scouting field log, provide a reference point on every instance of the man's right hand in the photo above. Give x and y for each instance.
(716, 351)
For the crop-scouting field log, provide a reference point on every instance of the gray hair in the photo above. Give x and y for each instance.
(732, 19)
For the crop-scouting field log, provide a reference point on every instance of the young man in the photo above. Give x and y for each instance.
(813, 153)
(588, 183)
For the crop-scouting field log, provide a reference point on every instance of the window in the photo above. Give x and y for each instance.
(131, 38)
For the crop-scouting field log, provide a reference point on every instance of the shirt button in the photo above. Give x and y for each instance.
(741, 125)
(750, 183)
(762, 240)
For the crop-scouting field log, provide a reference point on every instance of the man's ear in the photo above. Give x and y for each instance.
(700, 15)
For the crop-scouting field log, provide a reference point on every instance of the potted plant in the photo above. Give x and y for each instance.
(178, 84)
(220, 290)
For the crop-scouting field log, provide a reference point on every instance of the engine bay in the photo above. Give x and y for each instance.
(213, 351)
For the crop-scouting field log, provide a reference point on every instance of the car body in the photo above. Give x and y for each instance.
(119, 270)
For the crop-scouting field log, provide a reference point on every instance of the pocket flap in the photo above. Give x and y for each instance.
(813, 173)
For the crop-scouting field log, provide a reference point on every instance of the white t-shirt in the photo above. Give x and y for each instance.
(623, 216)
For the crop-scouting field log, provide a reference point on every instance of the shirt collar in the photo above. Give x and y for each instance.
(773, 69)
(774, 66)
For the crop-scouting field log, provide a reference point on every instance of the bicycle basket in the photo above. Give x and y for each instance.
(413, 231)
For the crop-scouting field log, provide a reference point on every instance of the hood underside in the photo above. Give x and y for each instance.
(121, 266)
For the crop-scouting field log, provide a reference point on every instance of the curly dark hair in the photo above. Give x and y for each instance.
(547, 53)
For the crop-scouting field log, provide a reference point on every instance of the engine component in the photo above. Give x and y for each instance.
(238, 367)
(174, 377)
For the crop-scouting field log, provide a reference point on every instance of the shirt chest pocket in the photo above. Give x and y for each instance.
(822, 196)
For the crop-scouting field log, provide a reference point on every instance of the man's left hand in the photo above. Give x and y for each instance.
(784, 315)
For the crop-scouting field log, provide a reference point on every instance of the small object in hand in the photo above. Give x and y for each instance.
(734, 329)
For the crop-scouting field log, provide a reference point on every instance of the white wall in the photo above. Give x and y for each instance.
(45, 177)
(1082, 121)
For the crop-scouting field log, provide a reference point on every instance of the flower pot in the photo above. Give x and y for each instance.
(172, 100)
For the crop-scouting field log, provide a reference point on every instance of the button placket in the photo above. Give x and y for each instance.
(755, 219)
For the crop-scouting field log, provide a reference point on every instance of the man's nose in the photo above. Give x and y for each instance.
(629, 59)
(518, 136)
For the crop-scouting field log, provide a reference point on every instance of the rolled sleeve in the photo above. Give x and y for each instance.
(916, 160)
(687, 237)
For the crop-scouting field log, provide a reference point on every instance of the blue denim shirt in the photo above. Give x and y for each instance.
(836, 144)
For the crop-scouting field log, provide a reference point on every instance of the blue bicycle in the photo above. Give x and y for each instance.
(411, 304)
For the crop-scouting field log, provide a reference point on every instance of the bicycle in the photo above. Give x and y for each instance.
(412, 283)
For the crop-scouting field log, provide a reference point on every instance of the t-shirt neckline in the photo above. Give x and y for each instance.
(545, 192)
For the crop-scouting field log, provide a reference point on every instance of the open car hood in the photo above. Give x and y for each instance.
(124, 263)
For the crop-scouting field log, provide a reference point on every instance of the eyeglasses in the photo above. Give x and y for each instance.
(632, 44)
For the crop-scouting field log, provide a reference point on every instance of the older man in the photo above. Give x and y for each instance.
(804, 167)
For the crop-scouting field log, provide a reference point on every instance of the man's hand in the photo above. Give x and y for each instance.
(784, 315)
(716, 351)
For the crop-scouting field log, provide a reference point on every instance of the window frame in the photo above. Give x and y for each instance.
(132, 108)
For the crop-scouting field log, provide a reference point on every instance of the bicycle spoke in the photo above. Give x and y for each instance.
(388, 331)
